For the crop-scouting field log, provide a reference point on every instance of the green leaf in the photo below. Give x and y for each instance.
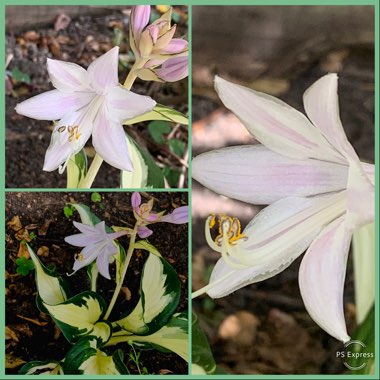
(364, 333)
(144, 244)
(177, 146)
(173, 337)
(48, 367)
(51, 288)
(158, 129)
(86, 358)
(80, 316)
(76, 169)
(160, 112)
(68, 211)
(87, 216)
(171, 175)
(96, 197)
(24, 266)
(138, 178)
(160, 292)
(201, 351)
(150, 174)
(20, 77)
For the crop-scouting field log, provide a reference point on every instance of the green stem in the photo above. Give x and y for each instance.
(124, 271)
(87, 181)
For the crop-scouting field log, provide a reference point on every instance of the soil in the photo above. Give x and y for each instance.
(81, 41)
(42, 214)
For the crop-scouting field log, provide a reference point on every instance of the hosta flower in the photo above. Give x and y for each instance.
(154, 41)
(317, 190)
(97, 245)
(144, 215)
(87, 102)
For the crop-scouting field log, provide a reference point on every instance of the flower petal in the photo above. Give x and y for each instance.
(276, 125)
(321, 278)
(178, 216)
(84, 228)
(124, 104)
(80, 240)
(144, 232)
(62, 143)
(257, 175)
(102, 263)
(67, 76)
(136, 200)
(176, 45)
(174, 69)
(322, 107)
(108, 138)
(276, 237)
(140, 16)
(361, 196)
(53, 105)
(103, 72)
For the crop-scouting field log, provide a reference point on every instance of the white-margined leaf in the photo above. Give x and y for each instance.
(160, 292)
(171, 337)
(160, 112)
(41, 368)
(87, 216)
(86, 358)
(81, 316)
(76, 169)
(144, 244)
(52, 288)
(138, 178)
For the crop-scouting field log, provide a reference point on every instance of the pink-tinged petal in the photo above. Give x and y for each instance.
(102, 262)
(103, 72)
(84, 228)
(80, 240)
(67, 76)
(276, 237)
(176, 45)
(321, 278)
(174, 69)
(361, 196)
(369, 169)
(151, 218)
(108, 138)
(144, 232)
(62, 146)
(53, 105)
(179, 216)
(276, 125)
(136, 199)
(140, 16)
(322, 107)
(124, 104)
(257, 175)
(116, 235)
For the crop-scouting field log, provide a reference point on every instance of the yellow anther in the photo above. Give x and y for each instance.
(79, 257)
(73, 133)
(229, 227)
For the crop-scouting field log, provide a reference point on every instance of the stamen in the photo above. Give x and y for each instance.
(226, 242)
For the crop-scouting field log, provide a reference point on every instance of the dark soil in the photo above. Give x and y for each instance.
(40, 210)
(83, 40)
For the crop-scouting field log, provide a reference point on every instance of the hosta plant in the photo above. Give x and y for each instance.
(84, 318)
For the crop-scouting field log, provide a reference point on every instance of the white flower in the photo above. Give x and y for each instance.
(87, 102)
(317, 190)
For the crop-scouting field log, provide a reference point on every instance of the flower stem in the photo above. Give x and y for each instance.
(124, 271)
(87, 181)
(131, 77)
